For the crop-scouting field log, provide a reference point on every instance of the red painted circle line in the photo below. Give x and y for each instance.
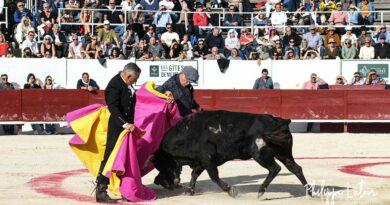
(358, 169)
(51, 184)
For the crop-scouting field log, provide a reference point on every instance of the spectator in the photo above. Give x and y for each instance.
(367, 51)
(168, 37)
(214, 55)
(232, 18)
(33, 83)
(188, 52)
(92, 48)
(106, 49)
(150, 33)
(382, 31)
(128, 5)
(366, 14)
(327, 6)
(75, 48)
(362, 37)
(290, 34)
(200, 49)
(156, 49)
(345, 4)
(149, 5)
(373, 78)
(22, 30)
(47, 20)
(357, 79)
(27, 53)
(72, 4)
(162, 19)
(5, 85)
(278, 17)
(215, 39)
(86, 18)
(116, 54)
(303, 48)
(332, 35)
(353, 15)
(246, 40)
(340, 80)
(278, 53)
(49, 85)
(260, 19)
(294, 48)
(314, 39)
(85, 83)
(264, 82)
(200, 18)
(55, 5)
(338, 17)
(3, 46)
(30, 43)
(332, 51)
(107, 34)
(140, 50)
(174, 49)
(60, 42)
(184, 9)
(231, 41)
(234, 55)
(48, 46)
(314, 82)
(311, 54)
(137, 16)
(290, 55)
(114, 16)
(382, 49)
(348, 50)
(21, 12)
(349, 35)
(186, 40)
(130, 39)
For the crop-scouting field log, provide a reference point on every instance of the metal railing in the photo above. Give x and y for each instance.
(4, 15)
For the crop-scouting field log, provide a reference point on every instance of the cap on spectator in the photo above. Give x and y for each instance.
(191, 74)
(312, 27)
(331, 28)
(382, 36)
(106, 22)
(348, 28)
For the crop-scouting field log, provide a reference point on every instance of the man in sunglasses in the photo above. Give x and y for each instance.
(382, 32)
(21, 12)
(120, 99)
(5, 85)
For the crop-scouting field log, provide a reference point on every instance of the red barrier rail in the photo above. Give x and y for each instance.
(305, 105)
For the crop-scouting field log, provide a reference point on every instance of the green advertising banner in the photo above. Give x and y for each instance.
(381, 69)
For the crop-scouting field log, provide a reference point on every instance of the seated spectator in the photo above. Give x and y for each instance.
(201, 19)
(290, 55)
(30, 43)
(348, 50)
(75, 48)
(149, 5)
(156, 49)
(200, 49)
(60, 42)
(349, 35)
(22, 30)
(332, 35)
(188, 52)
(303, 48)
(367, 51)
(314, 39)
(294, 48)
(106, 48)
(86, 18)
(116, 54)
(85, 83)
(150, 33)
(278, 17)
(47, 20)
(114, 16)
(21, 12)
(184, 9)
(32, 82)
(357, 79)
(27, 53)
(353, 15)
(215, 39)
(72, 4)
(338, 17)
(136, 17)
(234, 55)
(246, 40)
(231, 41)
(108, 34)
(332, 51)
(49, 85)
(373, 78)
(382, 49)
(214, 55)
(362, 37)
(366, 8)
(128, 5)
(290, 34)
(312, 5)
(5, 85)
(3, 46)
(162, 19)
(48, 46)
(312, 54)
(140, 50)
(174, 49)
(382, 31)
(168, 37)
(340, 80)
(129, 39)
(264, 82)
(232, 18)
(278, 52)
(186, 40)
(327, 6)
(92, 48)
(260, 20)
(313, 83)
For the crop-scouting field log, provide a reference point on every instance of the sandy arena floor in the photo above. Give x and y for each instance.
(44, 170)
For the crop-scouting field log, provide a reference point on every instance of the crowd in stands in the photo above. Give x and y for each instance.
(124, 30)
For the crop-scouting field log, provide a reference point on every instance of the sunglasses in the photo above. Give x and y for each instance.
(339, 79)
(292, 41)
(356, 76)
(94, 39)
(46, 39)
(75, 39)
(112, 3)
(367, 42)
(20, 5)
(169, 27)
(331, 42)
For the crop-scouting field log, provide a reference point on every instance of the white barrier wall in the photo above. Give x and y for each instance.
(239, 75)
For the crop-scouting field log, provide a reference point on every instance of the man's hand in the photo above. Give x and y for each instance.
(90, 88)
(170, 97)
(129, 127)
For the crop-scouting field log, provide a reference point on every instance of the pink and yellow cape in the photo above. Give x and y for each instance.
(124, 168)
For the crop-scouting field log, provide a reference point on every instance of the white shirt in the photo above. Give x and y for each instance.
(33, 45)
(352, 37)
(168, 37)
(278, 18)
(76, 49)
(367, 52)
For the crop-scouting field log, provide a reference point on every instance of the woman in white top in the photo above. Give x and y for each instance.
(232, 41)
(22, 29)
(349, 35)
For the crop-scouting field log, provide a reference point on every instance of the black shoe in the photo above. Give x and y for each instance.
(102, 196)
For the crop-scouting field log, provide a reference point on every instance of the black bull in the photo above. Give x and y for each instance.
(208, 139)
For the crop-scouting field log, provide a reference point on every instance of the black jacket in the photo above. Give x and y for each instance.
(184, 96)
(382, 51)
(120, 101)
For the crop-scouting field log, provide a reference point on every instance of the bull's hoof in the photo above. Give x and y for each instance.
(261, 193)
(233, 192)
(309, 190)
(189, 191)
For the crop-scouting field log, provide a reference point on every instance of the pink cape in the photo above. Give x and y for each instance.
(153, 115)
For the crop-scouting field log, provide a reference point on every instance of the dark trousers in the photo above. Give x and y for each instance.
(112, 136)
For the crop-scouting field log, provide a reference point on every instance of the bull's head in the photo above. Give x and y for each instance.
(169, 171)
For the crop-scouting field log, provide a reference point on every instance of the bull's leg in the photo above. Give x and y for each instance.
(213, 173)
(265, 157)
(196, 172)
(294, 168)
